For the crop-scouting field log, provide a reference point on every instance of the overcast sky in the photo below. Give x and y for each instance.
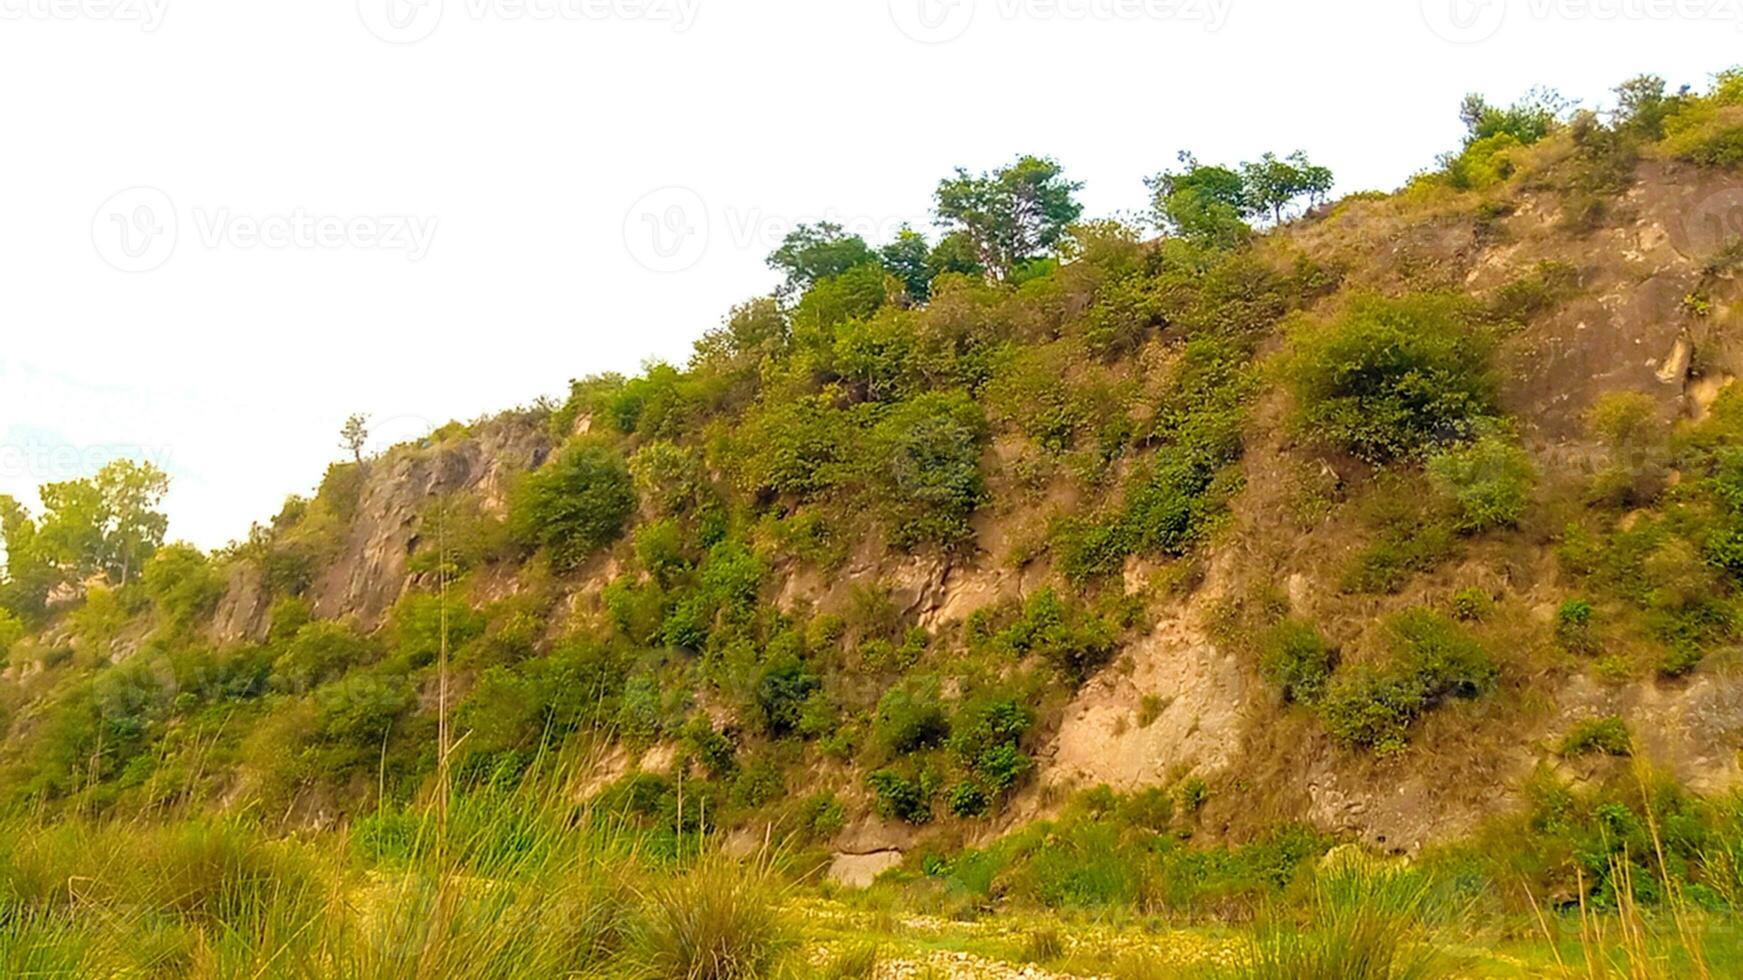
(226, 225)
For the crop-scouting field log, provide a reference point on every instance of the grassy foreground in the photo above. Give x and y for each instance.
(524, 883)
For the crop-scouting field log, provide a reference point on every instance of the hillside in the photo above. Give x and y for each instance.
(1411, 521)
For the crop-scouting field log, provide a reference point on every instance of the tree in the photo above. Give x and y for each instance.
(1527, 120)
(1202, 202)
(29, 575)
(134, 530)
(813, 252)
(575, 504)
(1272, 184)
(354, 434)
(1012, 214)
(1642, 105)
(109, 524)
(906, 258)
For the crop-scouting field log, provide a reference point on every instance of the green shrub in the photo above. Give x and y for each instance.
(782, 692)
(1194, 794)
(575, 504)
(902, 797)
(419, 619)
(1367, 924)
(986, 738)
(1074, 640)
(1431, 659)
(670, 477)
(1295, 657)
(1393, 377)
(1488, 480)
(1606, 735)
(320, 651)
(1472, 604)
(1634, 437)
(11, 631)
(793, 447)
(1575, 630)
(922, 463)
(910, 717)
(1385, 566)
(182, 583)
(1543, 289)
(968, 799)
(718, 921)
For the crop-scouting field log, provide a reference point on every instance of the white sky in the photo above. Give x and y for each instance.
(531, 132)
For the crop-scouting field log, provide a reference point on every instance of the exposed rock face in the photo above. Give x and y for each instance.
(860, 870)
(370, 573)
(1179, 709)
(242, 614)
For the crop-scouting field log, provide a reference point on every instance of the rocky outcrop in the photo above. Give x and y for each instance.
(370, 571)
(243, 615)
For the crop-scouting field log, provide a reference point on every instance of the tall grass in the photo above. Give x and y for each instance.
(518, 882)
(1366, 924)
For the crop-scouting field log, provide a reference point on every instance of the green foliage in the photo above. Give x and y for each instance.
(1180, 495)
(575, 504)
(717, 922)
(1472, 605)
(320, 652)
(1273, 183)
(1608, 736)
(1411, 537)
(107, 524)
(1432, 659)
(902, 796)
(923, 460)
(910, 716)
(1575, 630)
(670, 477)
(1202, 202)
(1074, 640)
(1012, 214)
(1110, 851)
(811, 253)
(419, 619)
(783, 690)
(1484, 162)
(12, 630)
(1295, 657)
(793, 447)
(1393, 377)
(1528, 120)
(1531, 295)
(1488, 479)
(1368, 923)
(1635, 441)
(986, 736)
(1194, 794)
(183, 584)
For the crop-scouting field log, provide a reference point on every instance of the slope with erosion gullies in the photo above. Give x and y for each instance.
(1369, 522)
